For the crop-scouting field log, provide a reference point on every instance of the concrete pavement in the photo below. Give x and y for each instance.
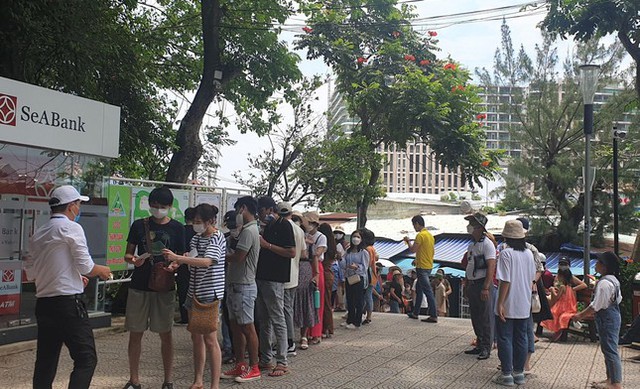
(392, 352)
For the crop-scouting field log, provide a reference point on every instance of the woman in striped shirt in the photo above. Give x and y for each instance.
(206, 283)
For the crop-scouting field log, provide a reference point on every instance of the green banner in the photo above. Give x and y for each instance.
(119, 198)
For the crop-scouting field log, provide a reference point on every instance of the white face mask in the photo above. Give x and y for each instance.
(235, 232)
(339, 236)
(159, 213)
(199, 228)
(356, 241)
(470, 229)
(239, 219)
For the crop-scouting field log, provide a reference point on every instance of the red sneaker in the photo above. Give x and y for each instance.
(249, 374)
(236, 371)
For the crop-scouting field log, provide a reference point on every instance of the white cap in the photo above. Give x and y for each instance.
(65, 194)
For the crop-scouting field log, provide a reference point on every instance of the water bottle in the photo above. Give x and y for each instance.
(316, 298)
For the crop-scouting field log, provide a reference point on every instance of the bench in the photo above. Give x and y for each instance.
(588, 329)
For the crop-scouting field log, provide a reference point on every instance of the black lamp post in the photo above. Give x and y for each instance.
(617, 134)
(588, 84)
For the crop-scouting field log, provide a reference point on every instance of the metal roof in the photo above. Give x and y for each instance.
(387, 248)
(577, 263)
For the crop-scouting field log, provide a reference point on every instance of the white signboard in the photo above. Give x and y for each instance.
(40, 117)
(209, 198)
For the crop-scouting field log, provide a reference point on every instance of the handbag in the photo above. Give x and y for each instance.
(204, 317)
(354, 279)
(536, 306)
(160, 280)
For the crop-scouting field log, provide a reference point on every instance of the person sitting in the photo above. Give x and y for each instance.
(563, 301)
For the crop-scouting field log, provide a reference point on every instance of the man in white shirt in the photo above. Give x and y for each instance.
(61, 261)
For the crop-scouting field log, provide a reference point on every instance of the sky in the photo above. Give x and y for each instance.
(471, 44)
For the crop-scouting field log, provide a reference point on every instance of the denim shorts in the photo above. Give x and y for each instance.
(241, 300)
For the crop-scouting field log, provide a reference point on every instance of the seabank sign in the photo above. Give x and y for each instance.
(40, 117)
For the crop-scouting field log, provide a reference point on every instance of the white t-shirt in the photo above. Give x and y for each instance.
(518, 269)
(298, 237)
(606, 288)
(319, 241)
(483, 248)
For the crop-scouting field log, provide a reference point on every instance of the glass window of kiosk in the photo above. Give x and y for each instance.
(27, 177)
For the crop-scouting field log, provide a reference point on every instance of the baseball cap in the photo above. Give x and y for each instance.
(65, 194)
(284, 208)
(525, 223)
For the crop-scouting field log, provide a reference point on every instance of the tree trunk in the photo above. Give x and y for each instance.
(188, 145)
(363, 205)
(634, 51)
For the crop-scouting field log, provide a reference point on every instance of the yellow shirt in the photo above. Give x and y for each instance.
(426, 248)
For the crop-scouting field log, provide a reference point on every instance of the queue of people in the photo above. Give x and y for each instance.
(276, 271)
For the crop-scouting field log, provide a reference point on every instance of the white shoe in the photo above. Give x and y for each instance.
(351, 327)
(343, 324)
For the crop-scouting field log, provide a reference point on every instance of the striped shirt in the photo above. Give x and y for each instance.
(208, 281)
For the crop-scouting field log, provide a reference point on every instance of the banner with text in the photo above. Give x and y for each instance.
(119, 198)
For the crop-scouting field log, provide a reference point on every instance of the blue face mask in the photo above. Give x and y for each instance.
(77, 217)
(269, 218)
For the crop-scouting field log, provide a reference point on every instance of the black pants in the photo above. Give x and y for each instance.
(182, 283)
(355, 299)
(480, 314)
(64, 320)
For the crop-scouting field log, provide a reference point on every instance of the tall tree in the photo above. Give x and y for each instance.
(395, 86)
(587, 19)
(546, 105)
(240, 59)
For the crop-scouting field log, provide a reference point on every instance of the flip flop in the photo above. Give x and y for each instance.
(279, 371)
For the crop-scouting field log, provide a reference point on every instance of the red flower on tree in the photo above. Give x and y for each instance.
(395, 34)
(486, 163)
(481, 116)
(409, 57)
(457, 88)
(432, 33)
(308, 30)
(361, 60)
(425, 62)
(450, 66)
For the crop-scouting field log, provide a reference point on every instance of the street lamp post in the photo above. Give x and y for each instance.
(617, 135)
(588, 84)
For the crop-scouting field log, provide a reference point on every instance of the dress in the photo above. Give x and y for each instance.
(563, 310)
(316, 331)
(304, 315)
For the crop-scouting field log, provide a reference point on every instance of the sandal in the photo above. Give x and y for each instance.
(279, 371)
(315, 340)
(266, 366)
(304, 344)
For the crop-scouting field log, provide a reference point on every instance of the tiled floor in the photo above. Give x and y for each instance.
(392, 352)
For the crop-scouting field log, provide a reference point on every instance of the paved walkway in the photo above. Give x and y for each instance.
(392, 352)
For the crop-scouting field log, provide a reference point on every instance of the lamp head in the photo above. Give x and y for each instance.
(589, 81)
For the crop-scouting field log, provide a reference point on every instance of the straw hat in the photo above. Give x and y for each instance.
(312, 217)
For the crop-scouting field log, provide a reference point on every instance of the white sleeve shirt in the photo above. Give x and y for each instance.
(606, 288)
(60, 257)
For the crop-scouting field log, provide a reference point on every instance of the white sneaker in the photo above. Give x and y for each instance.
(343, 324)
(351, 327)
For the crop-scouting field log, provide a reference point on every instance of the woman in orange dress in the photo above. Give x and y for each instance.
(564, 304)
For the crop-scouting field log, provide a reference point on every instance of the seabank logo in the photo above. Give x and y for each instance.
(8, 108)
(8, 276)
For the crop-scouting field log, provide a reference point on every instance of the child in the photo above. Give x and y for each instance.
(440, 291)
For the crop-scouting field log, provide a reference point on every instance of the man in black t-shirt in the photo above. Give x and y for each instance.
(277, 248)
(148, 309)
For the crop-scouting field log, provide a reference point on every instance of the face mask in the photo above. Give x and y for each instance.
(356, 241)
(199, 228)
(239, 218)
(563, 267)
(159, 213)
(298, 223)
(339, 236)
(470, 229)
(269, 218)
(235, 232)
(76, 218)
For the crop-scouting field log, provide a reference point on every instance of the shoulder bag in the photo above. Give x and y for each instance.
(354, 279)
(204, 317)
(160, 279)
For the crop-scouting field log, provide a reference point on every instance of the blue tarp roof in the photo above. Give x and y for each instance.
(448, 248)
(387, 248)
(577, 263)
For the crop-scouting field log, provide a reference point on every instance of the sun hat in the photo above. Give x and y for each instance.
(513, 230)
(65, 194)
(338, 228)
(478, 219)
(312, 217)
(396, 272)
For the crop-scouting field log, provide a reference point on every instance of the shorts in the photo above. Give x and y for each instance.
(241, 300)
(150, 310)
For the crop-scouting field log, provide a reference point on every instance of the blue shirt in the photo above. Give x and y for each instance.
(361, 258)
